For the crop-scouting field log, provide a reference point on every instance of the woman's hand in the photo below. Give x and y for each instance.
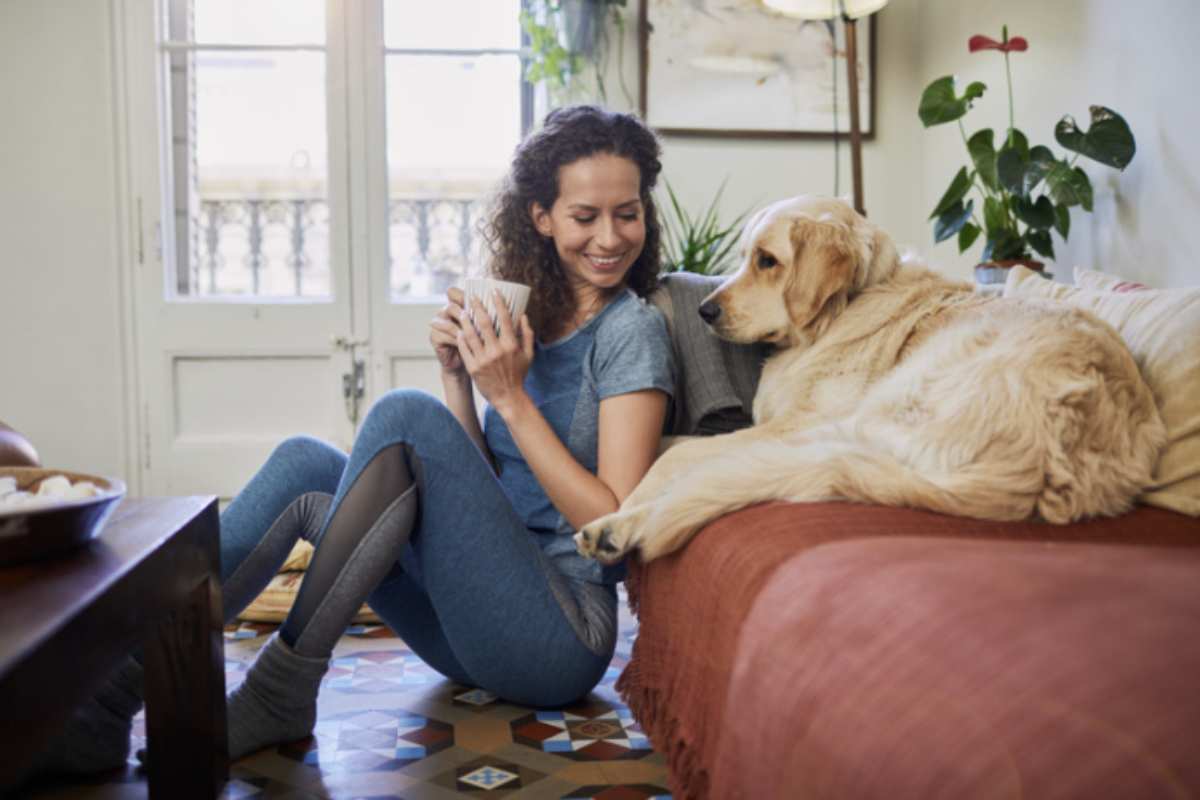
(444, 329)
(497, 364)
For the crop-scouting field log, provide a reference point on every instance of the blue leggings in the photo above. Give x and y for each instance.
(472, 593)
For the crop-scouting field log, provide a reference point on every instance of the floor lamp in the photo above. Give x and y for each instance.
(850, 11)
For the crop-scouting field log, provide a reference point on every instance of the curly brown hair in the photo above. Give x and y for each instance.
(519, 253)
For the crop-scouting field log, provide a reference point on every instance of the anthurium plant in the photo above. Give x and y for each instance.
(1026, 191)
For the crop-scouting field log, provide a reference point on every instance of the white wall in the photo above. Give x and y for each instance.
(1138, 59)
(60, 297)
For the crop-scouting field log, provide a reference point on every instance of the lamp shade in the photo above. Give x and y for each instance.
(825, 9)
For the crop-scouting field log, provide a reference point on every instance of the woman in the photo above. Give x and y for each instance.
(457, 535)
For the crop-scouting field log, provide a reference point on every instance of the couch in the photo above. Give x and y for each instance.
(852, 651)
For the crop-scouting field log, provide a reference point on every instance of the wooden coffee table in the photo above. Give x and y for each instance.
(151, 578)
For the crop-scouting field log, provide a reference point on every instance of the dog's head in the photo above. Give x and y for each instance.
(802, 260)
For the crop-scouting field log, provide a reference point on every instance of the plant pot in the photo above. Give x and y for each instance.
(996, 272)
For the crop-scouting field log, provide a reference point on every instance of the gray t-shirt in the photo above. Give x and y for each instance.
(625, 348)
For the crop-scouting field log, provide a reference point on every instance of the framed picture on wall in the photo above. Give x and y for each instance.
(735, 68)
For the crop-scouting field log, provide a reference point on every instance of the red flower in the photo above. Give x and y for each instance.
(1014, 45)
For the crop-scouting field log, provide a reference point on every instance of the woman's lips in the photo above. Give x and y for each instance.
(604, 263)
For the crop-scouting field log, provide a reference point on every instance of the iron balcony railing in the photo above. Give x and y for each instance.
(279, 248)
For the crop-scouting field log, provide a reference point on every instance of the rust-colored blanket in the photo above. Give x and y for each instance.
(840, 650)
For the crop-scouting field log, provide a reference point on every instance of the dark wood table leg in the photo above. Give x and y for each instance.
(186, 735)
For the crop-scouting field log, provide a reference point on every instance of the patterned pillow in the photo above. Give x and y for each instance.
(1104, 282)
(1161, 328)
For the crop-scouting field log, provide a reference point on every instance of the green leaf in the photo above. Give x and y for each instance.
(995, 218)
(1010, 168)
(952, 221)
(1003, 245)
(940, 103)
(983, 155)
(967, 236)
(1069, 186)
(1016, 140)
(957, 191)
(1039, 215)
(1109, 140)
(1041, 161)
(1062, 221)
(700, 243)
(1040, 241)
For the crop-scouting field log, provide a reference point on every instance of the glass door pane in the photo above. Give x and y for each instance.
(249, 166)
(454, 114)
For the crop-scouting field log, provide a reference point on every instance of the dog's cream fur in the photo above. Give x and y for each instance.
(893, 385)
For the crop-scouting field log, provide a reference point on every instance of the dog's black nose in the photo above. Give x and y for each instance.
(710, 311)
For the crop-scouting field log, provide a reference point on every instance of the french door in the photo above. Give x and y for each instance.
(298, 212)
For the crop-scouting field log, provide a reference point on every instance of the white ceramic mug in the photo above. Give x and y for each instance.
(516, 296)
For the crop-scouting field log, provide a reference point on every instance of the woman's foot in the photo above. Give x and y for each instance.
(96, 737)
(278, 700)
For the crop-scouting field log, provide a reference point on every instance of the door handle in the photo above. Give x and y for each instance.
(348, 343)
(354, 388)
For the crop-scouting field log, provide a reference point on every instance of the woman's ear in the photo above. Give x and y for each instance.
(541, 220)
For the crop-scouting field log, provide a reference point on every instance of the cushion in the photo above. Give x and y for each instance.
(1161, 327)
(275, 601)
(1104, 282)
(297, 560)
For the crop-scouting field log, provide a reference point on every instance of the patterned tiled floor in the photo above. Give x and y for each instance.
(390, 727)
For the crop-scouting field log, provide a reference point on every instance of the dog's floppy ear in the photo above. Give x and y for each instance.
(826, 261)
(880, 258)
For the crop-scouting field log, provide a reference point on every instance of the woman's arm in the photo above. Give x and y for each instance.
(629, 430)
(460, 398)
(629, 425)
(15, 449)
(457, 389)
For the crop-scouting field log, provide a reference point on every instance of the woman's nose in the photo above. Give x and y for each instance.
(607, 236)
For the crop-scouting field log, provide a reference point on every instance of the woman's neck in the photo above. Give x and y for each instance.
(588, 303)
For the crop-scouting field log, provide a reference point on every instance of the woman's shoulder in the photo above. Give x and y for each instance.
(631, 317)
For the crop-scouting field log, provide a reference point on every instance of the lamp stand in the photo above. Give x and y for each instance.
(855, 130)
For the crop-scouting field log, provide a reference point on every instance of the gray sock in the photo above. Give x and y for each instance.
(278, 700)
(96, 737)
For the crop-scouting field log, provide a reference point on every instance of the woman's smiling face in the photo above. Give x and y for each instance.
(598, 223)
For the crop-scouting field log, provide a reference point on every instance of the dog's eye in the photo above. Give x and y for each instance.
(766, 261)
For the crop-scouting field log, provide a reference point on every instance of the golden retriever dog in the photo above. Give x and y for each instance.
(893, 385)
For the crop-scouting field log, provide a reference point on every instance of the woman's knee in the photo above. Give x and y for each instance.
(307, 456)
(406, 414)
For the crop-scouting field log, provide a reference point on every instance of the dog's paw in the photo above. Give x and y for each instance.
(609, 538)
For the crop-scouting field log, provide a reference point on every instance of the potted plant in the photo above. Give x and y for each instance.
(567, 39)
(1026, 191)
(699, 244)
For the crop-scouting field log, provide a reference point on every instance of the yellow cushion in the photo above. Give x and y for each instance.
(1161, 328)
(297, 560)
(276, 601)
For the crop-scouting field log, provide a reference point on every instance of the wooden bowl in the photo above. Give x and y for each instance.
(47, 531)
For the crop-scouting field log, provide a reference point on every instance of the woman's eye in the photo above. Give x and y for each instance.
(585, 220)
(766, 261)
(629, 217)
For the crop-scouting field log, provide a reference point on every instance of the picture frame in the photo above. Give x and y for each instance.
(736, 69)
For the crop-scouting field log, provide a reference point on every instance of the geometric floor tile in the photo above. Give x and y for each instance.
(378, 671)
(376, 740)
(475, 697)
(488, 776)
(639, 791)
(594, 733)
